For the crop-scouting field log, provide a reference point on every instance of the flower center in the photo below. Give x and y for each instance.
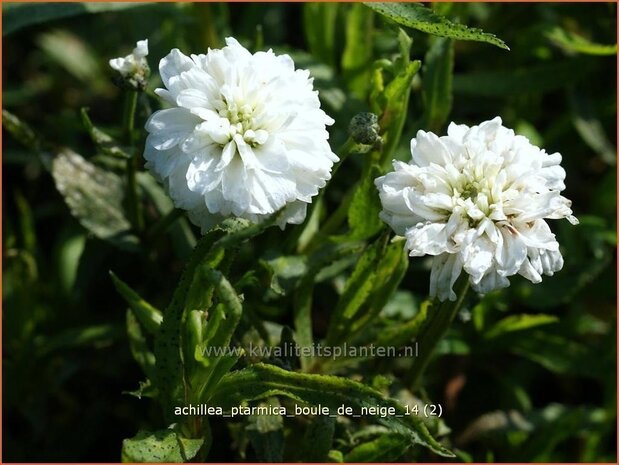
(242, 122)
(472, 197)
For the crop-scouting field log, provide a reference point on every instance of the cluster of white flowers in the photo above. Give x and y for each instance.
(245, 136)
(477, 200)
(134, 67)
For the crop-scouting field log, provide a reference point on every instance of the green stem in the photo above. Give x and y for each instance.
(439, 318)
(133, 198)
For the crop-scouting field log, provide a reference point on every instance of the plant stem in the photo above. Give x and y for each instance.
(440, 316)
(133, 199)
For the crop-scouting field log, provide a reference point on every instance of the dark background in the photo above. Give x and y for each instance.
(66, 360)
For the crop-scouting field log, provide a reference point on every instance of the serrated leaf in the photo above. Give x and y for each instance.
(159, 447)
(385, 448)
(437, 83)
(149, 316)
(260, 381)
(94, 197)
(520, 322)
(417, 16)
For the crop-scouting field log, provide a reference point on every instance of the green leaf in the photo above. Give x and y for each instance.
(149, 316)
(266, 434)
(320, 20)
(317, 440)
(573, 43)
(16, 16)
(208, 254)
(103, 141)
(20, 130)
(386, 448)
(97, 336)
(358, 49)
(559, 355)
(365, 206)
(169, 368)
(356, 291)
(159, 447)
(398, 335)
(74, 55)
(417, 16)
(389, 273)
(139, 347)
(392, 104)
(319, 262)
(590, 127)
(437, 83)
(260, 381)
(94, 197)
(519, 323)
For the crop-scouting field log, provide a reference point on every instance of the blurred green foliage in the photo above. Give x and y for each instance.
(526, 374)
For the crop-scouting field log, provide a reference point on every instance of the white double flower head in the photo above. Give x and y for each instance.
(477, 200)
(245, 136)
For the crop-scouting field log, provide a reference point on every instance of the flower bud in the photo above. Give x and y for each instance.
(364, 129)
(133, 69)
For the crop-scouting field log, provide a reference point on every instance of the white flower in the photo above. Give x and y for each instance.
(476, 200)
(134, 65)
(245, 136)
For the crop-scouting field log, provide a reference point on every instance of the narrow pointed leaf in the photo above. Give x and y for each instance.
(146, 314)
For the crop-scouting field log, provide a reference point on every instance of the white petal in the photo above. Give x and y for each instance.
(445, 271)
(170, 127)
(427, 148)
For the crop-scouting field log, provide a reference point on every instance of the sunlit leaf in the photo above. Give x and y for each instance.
(417, 16)
(160, 447)
(94, 197)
